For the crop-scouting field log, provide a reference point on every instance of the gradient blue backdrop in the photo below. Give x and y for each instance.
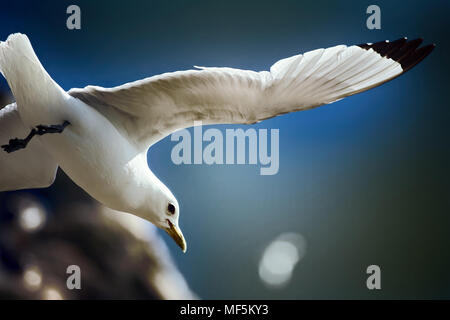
(364, 180)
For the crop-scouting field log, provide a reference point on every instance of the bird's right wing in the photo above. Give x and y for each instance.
(150, 109)
(27, 168)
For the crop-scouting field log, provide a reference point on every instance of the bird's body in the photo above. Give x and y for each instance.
(107, 176)
(115, 175)
(103, 148)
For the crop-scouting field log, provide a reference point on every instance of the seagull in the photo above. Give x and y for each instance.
(100, 136)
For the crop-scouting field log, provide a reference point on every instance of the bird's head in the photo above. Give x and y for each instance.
(152, 200)
(165, 213)
(169, 223)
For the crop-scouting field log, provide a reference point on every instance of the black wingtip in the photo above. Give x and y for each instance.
(405, 52)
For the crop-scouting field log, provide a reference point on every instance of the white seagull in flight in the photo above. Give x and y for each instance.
(100, 136)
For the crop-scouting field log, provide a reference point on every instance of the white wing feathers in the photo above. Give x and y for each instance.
(150, 109)
(31, 167)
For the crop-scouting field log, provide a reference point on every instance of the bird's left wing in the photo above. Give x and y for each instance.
(150, 109)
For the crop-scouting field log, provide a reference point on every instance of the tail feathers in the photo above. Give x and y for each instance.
(22, 69)
(15, 52)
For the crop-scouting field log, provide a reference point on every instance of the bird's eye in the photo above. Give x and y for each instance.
(171, 208)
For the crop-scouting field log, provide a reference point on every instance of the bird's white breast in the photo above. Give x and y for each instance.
(93, 153)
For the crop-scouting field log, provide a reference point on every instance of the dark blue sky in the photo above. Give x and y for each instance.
(364, 180)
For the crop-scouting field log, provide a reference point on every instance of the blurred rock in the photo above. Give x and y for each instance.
(115, 262)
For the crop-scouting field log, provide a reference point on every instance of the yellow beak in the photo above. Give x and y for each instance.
(176, 234)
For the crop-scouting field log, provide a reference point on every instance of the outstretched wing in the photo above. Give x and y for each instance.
(27, 168)
(150, 109)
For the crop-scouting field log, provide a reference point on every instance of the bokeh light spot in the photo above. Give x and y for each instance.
(51, 293)
(280, 258)
(32, 278)
(31, 218)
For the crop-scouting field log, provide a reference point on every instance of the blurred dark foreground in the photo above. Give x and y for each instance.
(118, 258)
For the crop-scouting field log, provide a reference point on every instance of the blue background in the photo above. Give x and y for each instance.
(364, 180)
